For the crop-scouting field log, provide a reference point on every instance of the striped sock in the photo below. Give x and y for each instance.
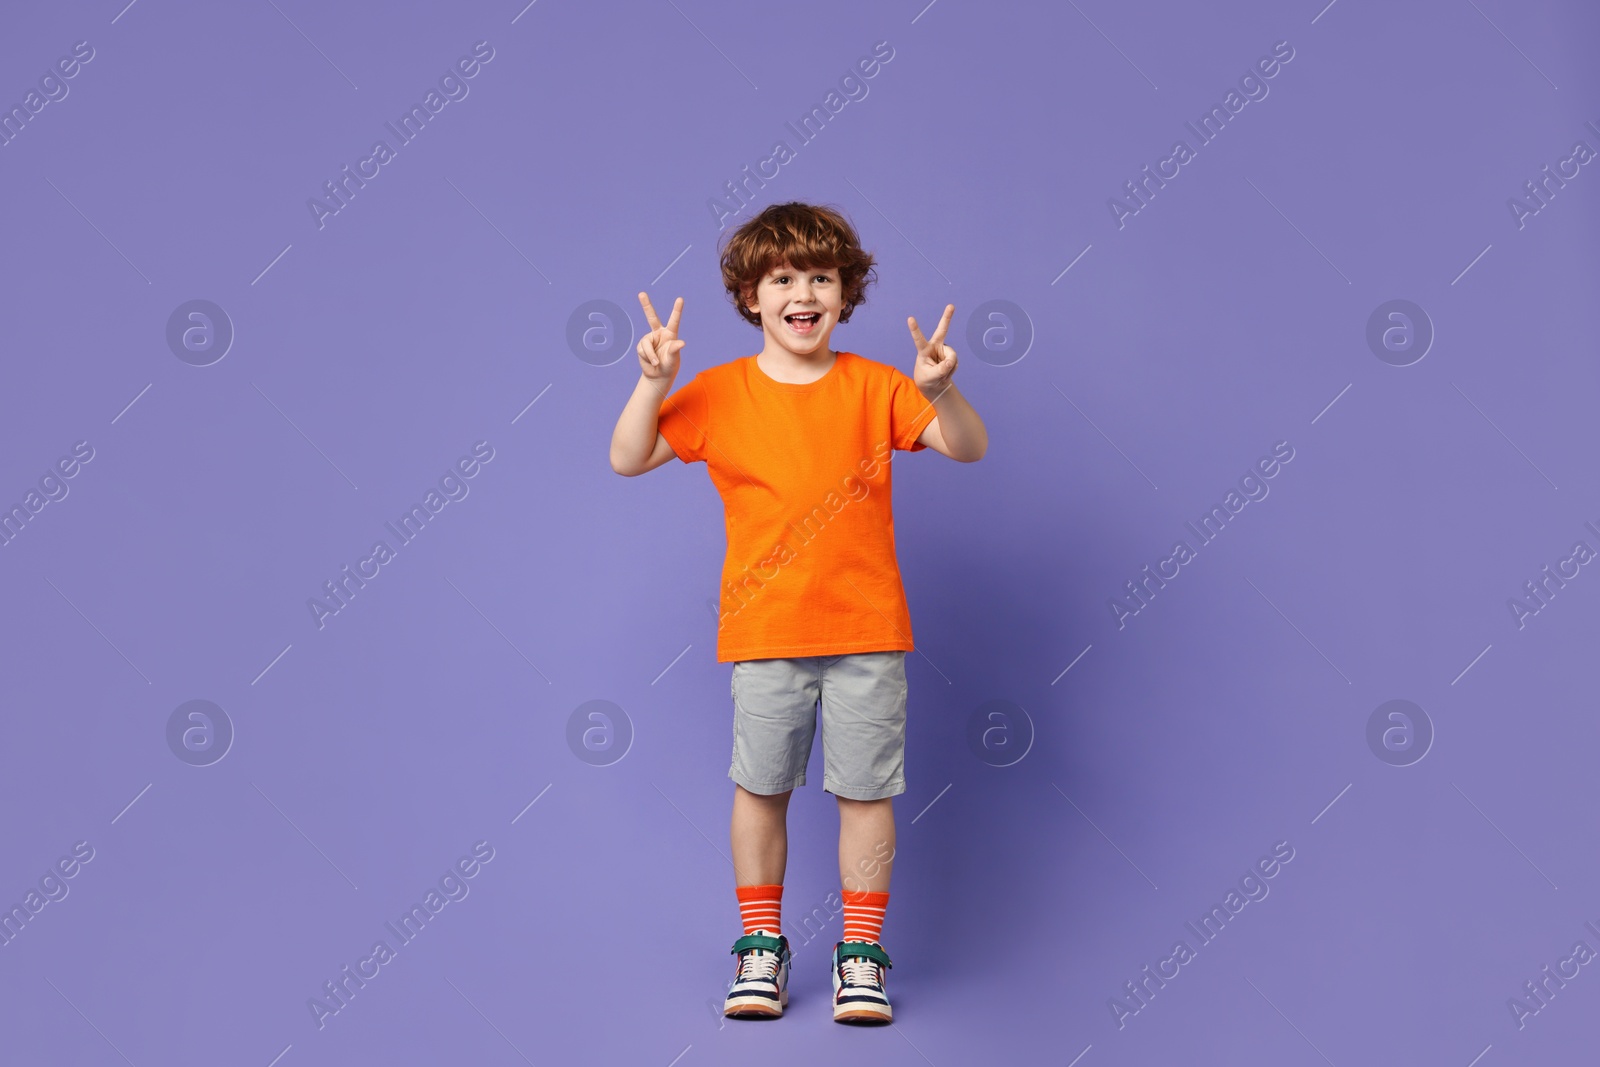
(863, 914)
(760, 907)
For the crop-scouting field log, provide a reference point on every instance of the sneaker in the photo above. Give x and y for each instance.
(858, 972)
(761, 984)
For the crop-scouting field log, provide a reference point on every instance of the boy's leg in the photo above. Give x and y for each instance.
(866, 857)
(760, 839)
(759, 835)
(863, 741)
(863, 738)
(866, 844)
(773, 723)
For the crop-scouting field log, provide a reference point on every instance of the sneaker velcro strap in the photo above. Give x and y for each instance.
(750, 941)
(864, 948)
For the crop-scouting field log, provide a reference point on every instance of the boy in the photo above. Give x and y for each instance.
(798, 439)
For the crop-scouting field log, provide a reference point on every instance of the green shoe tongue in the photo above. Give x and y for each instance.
(864, 948)
(762, 941)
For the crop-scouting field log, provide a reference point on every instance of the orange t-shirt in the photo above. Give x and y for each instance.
(804, 475)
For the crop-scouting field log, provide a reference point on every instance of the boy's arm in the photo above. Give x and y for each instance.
(637, 445)
(956, 431)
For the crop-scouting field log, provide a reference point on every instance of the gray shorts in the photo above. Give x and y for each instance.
(863, 698)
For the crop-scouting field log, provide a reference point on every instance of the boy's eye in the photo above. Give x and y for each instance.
(785, 279)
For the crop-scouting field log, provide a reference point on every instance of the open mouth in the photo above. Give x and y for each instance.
(803, 322)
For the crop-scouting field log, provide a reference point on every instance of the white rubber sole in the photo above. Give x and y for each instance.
(748, 1007)
(862, 1013)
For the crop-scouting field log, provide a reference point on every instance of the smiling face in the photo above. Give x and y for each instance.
(799, 309)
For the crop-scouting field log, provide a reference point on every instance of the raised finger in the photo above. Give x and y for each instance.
(944, 324)
(916, 334)
(672, 320)
(649, 312)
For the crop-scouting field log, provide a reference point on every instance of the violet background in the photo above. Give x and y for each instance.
(432, 311)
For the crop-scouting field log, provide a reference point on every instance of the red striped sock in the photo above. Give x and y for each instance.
(863, 914)
(760, 907)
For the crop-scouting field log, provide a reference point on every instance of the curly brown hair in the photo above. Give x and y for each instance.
(806, 237)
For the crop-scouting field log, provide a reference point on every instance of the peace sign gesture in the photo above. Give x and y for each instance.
(936, 361)
(658, 349)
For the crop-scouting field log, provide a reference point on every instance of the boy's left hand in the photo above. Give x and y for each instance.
(936, 361)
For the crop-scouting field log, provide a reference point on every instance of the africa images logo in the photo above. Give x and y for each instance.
(453, 486)
(453, 887)
(452, 87)
(1252, 487)
(1252, 887)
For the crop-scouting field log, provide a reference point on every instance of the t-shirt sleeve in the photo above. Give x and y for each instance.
(909, 412)
(685, 419)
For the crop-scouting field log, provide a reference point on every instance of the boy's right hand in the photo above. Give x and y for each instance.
(658, 349)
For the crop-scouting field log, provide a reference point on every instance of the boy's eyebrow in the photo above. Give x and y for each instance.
(776, 272)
